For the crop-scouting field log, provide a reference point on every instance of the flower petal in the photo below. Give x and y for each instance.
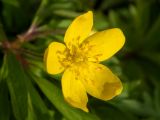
(51, 57)
(79, 29)
(73, 90)
(100, 82)
(102, 45)
(45, 55)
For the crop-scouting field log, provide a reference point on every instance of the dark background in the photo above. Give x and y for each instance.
(27, 92)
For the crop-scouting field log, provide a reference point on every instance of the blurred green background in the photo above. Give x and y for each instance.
(27, 92)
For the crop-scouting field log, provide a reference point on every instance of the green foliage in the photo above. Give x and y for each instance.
(27, 92)
(16, 81)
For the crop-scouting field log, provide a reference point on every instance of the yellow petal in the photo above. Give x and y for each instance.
(79, 29)
(52, 57)
(45, 55)
(73, 90)
(100, 82)
(102, 45)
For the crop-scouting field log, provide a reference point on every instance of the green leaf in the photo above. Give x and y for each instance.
(12, 2)
(17, 14)
(39, 106)
(144, 13)
(65, 13)
(3, 70)
(111, 3)
(136, 107)
(101, 21)
(31, 113)
(17, 87)
(156, 100)
(152, 38)
(53, 93)
(2, 33)
(4, 102)
(39, 16)
(113, 113)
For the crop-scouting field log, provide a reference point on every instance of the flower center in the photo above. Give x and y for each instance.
(74, 55)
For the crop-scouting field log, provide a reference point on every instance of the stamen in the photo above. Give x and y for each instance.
(63, 58)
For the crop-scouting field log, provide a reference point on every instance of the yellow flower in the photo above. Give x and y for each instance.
(79, 59)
